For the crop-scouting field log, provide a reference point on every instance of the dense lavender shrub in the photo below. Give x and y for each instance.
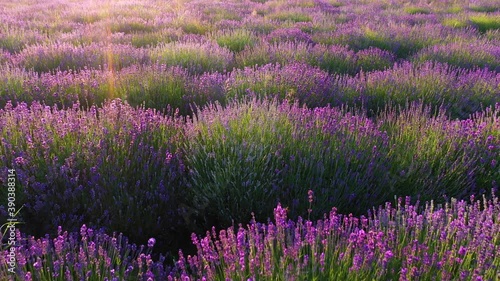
(293, 15)
(295, 81)
(64, 56)
(457, 90)
(464, 55)
(88, 35)
(156, 86)
(129, 25)
(198, 57)
(374, 59)
(14, 40)
(4, 57)
(153, 39)
(458, 157)
(412, 10)
(235, 40)
(485, 22)
(484, 7)
(261, 26)
(61, 88)
(334, 59)
(12, 83)
(193, 25)
(401, 39)
(206, 89)
(274, 53)
(132, 185)
(232, 165)
(218, 11)
(289, 34)
(90, 254)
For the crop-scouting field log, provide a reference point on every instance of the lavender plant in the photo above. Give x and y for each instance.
(61, 88)
(197, 57)
(374, 59)
(334, 59)
(233, 166)
(90, 254)
(156, 86)
(63, 56)
(62, 181)
(275, 53)
(289, 34)
(478, 55)
(153, 39)
(485, 22)
(432, 83)
(292, 82)
(293, 15)
(14, 40)
(235, 40)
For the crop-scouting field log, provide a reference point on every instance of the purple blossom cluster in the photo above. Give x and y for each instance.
(289, 34)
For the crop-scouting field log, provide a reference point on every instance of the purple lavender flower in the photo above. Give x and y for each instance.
(151, 242)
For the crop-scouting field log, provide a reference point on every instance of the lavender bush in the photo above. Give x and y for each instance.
(63, 56)
(197, 57)
(63, 181)
(235, 40)
(90, 254)
(432, 83)
(478, 55)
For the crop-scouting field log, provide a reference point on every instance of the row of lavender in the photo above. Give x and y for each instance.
(401, 25)
(457, 241)
(461, 92)
(240, 48)
(158, 176)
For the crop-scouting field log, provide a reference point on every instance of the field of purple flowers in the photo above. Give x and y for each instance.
(250, 140)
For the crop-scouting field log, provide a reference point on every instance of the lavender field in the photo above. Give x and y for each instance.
(249, 140)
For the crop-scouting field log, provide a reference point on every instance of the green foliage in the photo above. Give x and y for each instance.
(333, 59)
(484, 8)
(131, 27)
(235, 40)
(290, 16)
(463, 55)
(485, 22)
(194, 26)
(155, 88)
(234, 164)
(412, 10)
(196, 57)
(456, 23)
